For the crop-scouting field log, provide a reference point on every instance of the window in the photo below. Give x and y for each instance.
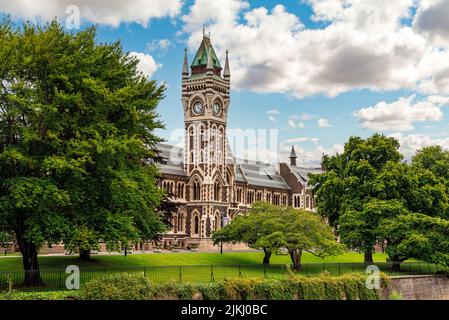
(180, 191)
(196, 224)
(196, 191)
(239, 195)
(217, 190)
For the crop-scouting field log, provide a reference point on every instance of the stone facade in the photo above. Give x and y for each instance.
(203, 176)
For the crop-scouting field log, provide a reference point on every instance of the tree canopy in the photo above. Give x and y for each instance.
(270, 227)
(368, 192)
(77, 125)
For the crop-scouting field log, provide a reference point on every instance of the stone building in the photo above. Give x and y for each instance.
(209, 183)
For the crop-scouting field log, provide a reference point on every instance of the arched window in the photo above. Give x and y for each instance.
(196, 190)
(217, 221)
(196, 225)
(217, 190)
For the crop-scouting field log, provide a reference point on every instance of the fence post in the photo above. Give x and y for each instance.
(60, 280)
(240, 271)
(307, 269)
(264, 271)
(211, 273)
(353, 269)
(339, 270)
(180, 274)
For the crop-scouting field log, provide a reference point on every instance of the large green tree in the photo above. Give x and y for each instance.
(270, 227)
(349, 183)
(367, 192)
(77, 125)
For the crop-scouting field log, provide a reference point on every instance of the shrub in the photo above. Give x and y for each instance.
(49, 295)
(323, 287)
(118, 287)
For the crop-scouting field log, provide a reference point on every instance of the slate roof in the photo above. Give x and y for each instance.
(302, 174)
(202, 54)
(254, 173)
(264, 175)
(172, 159)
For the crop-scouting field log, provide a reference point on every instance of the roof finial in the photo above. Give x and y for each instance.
(185, 67)
(204, 29)
(293, 156)
(227, 72)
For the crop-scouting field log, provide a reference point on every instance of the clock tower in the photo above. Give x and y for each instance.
(206, 101)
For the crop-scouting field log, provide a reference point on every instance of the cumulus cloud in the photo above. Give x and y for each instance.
(310, 156)
(146, 64)
(161, 46)
(324, 123)
(272, 51)
(414, 142)
(432, 18)
(400, 115)
(272, 115)
(111, 12)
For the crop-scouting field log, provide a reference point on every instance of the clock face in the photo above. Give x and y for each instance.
(217, 109)
(198, 108)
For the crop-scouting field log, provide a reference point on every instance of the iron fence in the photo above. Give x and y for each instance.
(55, 280)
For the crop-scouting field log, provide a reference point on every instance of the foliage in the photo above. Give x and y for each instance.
(118, 287)
(371, 197)
(46, 295)
(394, 295)
(270, 227)
(324, 287)
(77, 125)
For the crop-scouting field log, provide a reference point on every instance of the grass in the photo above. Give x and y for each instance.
(188, 267)
(175, 259)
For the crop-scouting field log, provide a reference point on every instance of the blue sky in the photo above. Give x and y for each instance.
(318, 71)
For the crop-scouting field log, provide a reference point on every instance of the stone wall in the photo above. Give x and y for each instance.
(428, 287)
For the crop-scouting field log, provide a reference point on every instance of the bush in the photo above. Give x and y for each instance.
(118, 287)
(323, 287)
(50, 295)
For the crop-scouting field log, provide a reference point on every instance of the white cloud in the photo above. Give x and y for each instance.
(111, 12)
(307, 157)
(432, 19)
(272, 51)
(414, 142)
(324, 123)
(400, 115)
(272, 115)
(146, 64)
(160, 46)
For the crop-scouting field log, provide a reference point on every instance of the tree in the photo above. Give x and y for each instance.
(350, 181)
(272, 227)
(368, 196)
(250, 228)
(77, 125)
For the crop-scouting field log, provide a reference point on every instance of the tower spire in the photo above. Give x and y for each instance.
(293, 157)
(185, 66)
(227, 72)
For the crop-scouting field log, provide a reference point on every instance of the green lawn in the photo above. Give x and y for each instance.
(175, 259)
(190, 267)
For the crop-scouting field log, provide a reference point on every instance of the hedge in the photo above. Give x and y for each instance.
(47, 295)
(323, 287)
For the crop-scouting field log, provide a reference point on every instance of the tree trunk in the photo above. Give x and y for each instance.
(29, 251)
(267, 256)
(85, 254)
(368, 256)
(395, 263)
(295, 255)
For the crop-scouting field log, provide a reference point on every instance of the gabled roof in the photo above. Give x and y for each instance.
(302, 174)
(202, 55)
(263, 175)
(172, 158)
